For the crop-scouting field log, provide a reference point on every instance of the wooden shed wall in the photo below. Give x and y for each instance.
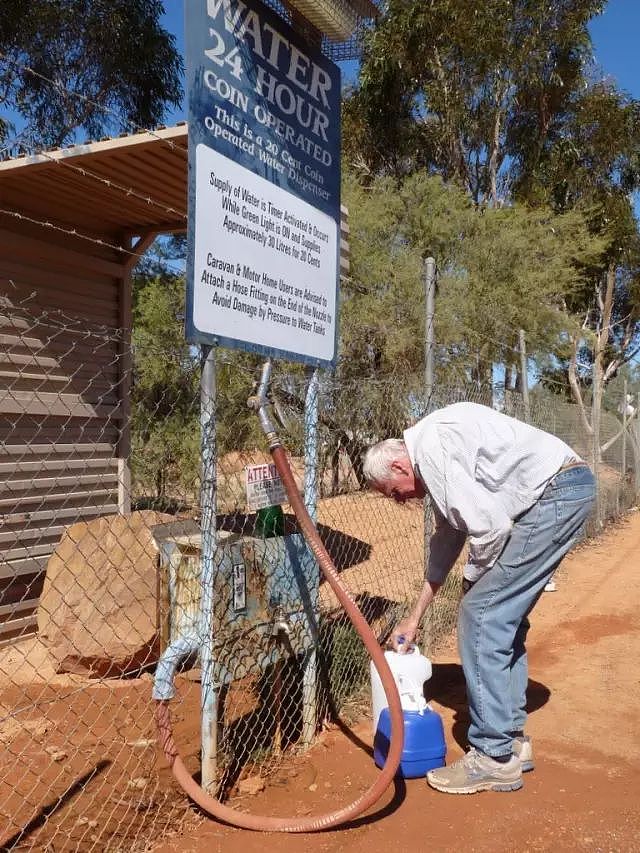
(61, 382)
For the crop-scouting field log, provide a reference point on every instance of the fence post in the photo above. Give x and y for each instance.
(309, 675)
(429, 345)
(429, 336)
(209, 697)
(595, 424)
(636, 428)
(525, 375)
(124, 390)
(623, 460)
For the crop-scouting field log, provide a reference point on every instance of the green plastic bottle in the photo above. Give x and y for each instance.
(270, 522)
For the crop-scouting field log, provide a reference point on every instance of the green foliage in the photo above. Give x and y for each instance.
(598, 158)
(165, 395)
(518, 268)
(500, 269)
(113, 65)
(499, 99)
(467, 89)
(166, 387)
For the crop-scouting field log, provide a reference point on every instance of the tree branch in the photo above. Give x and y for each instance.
(613, 440)
(574, 385)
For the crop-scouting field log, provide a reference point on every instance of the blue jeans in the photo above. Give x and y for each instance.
(493, 623)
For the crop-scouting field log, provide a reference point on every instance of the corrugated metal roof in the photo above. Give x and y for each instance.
(133, 183)
(332, 46)
(126, 185)
(336, 19)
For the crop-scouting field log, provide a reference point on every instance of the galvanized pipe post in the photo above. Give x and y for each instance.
(636, 428)
(429, 336)
(309, 677)
(623, 461)
(524, 372)
(209, 694)
(596, 402)
(429, 345)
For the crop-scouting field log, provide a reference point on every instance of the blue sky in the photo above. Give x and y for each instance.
(615, 36)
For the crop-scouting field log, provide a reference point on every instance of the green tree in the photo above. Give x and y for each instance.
(598, 164)
(472, 91)
(165, 395)
(165, 407)
(500, 99)
(499, 270)
(113, 64)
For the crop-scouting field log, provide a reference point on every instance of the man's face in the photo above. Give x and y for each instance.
(402, 485)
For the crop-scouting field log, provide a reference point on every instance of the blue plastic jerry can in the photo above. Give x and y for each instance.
(424, 744)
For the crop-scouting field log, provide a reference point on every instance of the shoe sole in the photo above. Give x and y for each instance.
(502, 787)
(527, 766)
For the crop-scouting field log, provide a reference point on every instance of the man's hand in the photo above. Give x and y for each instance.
(404, 634)
(405, 631)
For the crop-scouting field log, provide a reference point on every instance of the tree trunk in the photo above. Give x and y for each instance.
(605, 293)
(494, 158)
(605, 303)
(574, 385)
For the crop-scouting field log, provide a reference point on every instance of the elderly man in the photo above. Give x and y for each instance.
(521, 497)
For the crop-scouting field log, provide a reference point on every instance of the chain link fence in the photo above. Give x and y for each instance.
(102, 553)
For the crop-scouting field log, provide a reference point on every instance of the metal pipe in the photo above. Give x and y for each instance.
(311, 445)
(310, 665)
(524, 372)
(429, 334)
(429, 345)
(596, 403)
(623, 461)
(209, 698)
(260, 403)
(164, 678)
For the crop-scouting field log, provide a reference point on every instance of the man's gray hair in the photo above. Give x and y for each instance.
(378, 459)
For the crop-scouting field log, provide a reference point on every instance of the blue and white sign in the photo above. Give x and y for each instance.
(264, 184)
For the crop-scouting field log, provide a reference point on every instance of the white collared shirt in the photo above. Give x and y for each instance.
(482, 470)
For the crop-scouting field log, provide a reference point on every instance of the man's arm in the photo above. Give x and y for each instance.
(405, 631)
(444, 549)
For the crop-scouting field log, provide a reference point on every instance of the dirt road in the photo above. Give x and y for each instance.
(585, 720)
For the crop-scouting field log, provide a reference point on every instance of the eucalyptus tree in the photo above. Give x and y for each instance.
(90, 66)
(472, 91)
(596, 166)
(499, 270)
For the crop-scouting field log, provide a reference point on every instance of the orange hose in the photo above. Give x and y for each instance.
(373, 794)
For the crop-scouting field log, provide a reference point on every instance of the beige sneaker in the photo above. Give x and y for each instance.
(523, 751)
(476, 772)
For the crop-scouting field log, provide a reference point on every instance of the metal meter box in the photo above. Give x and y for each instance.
(265, 596)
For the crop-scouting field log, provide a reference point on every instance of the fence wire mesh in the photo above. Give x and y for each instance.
(100, 575)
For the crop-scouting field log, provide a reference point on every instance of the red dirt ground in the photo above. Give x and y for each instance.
(585, 720)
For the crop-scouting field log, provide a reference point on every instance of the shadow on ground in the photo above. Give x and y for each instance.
(447, 687)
